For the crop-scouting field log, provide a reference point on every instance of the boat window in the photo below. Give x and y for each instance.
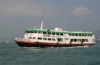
(80, 35)
(39, 38)
(61, 34)
(72, 40)
(60, 39)
(86, 40)
(53, 39)
(44, 32)
(76, 34)
(88, 34)
(39, 32)
(49, 32)
(34, 37)
(31, 31)
(69, 34)
(44, 38)
(91, 34)
(83, 40)
(35, 31)
(30, 37)
(85, 34)
(53, 33)
(75, 40)
(73, 34)
(49, 38)
(57, 33)
(27, 31)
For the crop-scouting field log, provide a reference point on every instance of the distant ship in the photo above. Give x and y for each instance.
(7, 41)
(55, 38)
(97, 40)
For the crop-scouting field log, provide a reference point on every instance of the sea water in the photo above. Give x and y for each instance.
(11, 54)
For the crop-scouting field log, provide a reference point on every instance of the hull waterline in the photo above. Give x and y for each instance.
(43, 44)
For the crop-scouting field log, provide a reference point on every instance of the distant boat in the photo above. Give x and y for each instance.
(7, 41)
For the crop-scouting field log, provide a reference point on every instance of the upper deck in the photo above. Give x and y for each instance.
(59, 32)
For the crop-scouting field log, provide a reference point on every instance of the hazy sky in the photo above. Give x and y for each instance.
(71, 15)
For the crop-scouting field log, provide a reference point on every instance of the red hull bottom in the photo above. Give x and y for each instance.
(41, 44)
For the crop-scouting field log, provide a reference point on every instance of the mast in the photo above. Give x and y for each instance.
(41, 26)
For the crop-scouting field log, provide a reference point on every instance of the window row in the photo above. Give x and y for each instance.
(32, 37)
(53, 33)
(58, 39)
(39, 38)
(80, 34)
(79, 40)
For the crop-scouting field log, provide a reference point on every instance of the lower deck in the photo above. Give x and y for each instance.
(46, 44)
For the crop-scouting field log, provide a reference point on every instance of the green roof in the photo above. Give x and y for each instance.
(43, 30)
(53, 31)
(80, 32)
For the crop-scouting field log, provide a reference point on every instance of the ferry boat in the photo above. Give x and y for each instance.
(55, 38)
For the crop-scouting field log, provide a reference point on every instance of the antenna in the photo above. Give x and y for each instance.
(41, 26)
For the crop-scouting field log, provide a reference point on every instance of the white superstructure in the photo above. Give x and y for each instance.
(57, 37)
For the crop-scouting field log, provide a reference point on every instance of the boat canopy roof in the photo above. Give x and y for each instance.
(53, 31)
(80, 32)
(44, 30)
